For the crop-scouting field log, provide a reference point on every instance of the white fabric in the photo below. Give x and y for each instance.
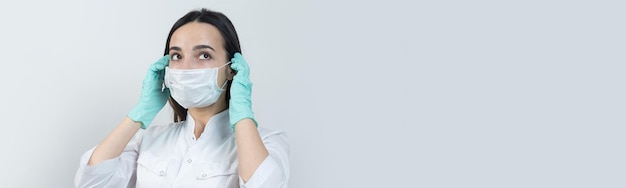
(194, 87)
(170, 156)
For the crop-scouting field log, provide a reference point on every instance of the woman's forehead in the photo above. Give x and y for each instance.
(195, 33)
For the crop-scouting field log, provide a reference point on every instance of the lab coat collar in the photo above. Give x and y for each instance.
(216, 130)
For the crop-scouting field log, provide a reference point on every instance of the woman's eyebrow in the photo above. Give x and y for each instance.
(203, 46)
(175, 48)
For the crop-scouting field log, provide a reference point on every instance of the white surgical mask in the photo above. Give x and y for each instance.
(194, 87)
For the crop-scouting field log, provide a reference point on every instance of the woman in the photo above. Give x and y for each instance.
(214, 140)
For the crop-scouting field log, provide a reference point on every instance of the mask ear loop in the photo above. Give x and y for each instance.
(225, 82)
(224, 65)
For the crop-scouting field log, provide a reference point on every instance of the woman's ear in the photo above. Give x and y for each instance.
(230, 72)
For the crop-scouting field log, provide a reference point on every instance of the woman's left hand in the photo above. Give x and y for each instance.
(240, 92)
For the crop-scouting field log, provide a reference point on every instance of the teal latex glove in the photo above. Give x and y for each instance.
(240, 92)
(153, 97)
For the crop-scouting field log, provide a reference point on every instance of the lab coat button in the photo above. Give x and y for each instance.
(162, 172)
(204, 175)
(189, 161)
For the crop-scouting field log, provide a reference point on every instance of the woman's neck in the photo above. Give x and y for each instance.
(201, 116)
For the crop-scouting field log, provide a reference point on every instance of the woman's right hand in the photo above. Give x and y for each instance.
(153, 96)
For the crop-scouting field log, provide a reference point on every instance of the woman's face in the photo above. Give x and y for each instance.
(198, 45)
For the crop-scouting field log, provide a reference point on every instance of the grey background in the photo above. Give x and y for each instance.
(371, 93)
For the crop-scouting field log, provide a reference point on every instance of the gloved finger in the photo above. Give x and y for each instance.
(161, 63)
(236, 66)
(238, 56)
(166, 93)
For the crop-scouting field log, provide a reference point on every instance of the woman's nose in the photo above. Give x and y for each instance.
(187, 63)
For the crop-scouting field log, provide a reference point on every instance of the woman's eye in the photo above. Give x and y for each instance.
(204, 57)
(175, 57)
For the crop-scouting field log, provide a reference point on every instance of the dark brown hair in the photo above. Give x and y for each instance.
(229, 35)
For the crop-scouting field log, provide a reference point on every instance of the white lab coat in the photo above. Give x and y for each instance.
(170, 156)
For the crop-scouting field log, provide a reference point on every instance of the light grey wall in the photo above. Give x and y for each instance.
(371, 93)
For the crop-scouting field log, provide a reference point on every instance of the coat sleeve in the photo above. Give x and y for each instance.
(115, 172)
(274, 170)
